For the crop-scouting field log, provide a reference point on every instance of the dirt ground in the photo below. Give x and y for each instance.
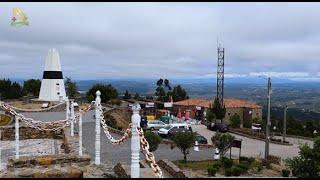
(20, 104)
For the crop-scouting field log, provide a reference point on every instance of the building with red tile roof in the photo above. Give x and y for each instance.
(248, 111)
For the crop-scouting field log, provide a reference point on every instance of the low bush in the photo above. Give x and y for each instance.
(228, 172)
(212, 171)
(285, 172)
(236, 171)
(244, 167)
(217, 165)
(227, 163)
(243, 158)
(274, 159)
(256, 166)
(251, 160)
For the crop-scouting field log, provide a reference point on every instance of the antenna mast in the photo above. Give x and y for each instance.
(220, 73)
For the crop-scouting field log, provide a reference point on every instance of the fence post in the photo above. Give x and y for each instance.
(135, 142)
(72, 117)
(80, 134)
(67, 108)
(97, 145)
(17, 136)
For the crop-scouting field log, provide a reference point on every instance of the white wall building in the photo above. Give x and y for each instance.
(52, 85)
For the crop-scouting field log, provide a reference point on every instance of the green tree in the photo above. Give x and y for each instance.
(178, 94)
(184, 141)
(15, 91)
(307, 164)
(32, 86)
(154, 140)
(235, 121)
(9, 90)
(71, 88)
(160, 90)
(107, 92)
(223, 142)
(218, 109)
(210, 116)
(127, 95)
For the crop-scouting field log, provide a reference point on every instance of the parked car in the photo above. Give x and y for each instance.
(201, 139)
(156, 124)
(165, 131)
(219, 127)
(174, 130)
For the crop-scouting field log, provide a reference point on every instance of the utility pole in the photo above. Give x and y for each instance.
(285, 123)
(268, 123)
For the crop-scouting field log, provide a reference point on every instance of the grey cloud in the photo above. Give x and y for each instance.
(103, 40)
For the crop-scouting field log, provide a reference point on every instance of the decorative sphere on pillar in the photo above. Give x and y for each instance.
(98, 93)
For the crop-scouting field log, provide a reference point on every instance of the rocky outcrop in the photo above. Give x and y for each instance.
(120, 170)
(47, 160)
(60, 172)
(172, 169)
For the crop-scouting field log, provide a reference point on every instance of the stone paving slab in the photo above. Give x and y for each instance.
(30, 147)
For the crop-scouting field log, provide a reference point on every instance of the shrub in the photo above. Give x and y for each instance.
(285, 172)
(153, 139)
(256, 166)
(235, 121)
(244, 167)
(227, 172)
(227, 163)
(212, 171)
(217, 165)
(243, 158)
(274, 159)
(246, 159)
(236, 171)
(251, 160)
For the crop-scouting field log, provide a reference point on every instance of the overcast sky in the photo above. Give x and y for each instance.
(171, 40)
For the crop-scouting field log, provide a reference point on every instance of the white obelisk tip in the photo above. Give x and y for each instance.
(52, 85)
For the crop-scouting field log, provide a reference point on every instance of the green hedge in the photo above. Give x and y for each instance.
(285, 172)
(236, 171)
(227, 163)
(212, 171)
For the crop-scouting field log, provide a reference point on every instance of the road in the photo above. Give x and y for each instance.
(256, 148)
(121, 153)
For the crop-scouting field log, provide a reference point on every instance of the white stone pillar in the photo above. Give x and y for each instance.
(80, 134)
(72, 117)
(97, 145)
(67, 108)
(196, 146)
(17, 136)
(135, 142)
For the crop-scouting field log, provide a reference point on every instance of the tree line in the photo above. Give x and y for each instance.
(13, 90)
(31, 87)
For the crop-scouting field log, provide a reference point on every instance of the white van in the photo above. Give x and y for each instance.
(164, 131)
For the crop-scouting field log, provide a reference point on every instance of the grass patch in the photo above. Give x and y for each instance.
(195, 165)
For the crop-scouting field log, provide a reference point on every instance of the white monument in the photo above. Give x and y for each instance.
(52, 85)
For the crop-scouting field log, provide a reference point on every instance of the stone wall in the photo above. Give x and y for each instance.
(58, 172)
(47, 160)
(8, 134)
(119, 169)
(172, 169)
